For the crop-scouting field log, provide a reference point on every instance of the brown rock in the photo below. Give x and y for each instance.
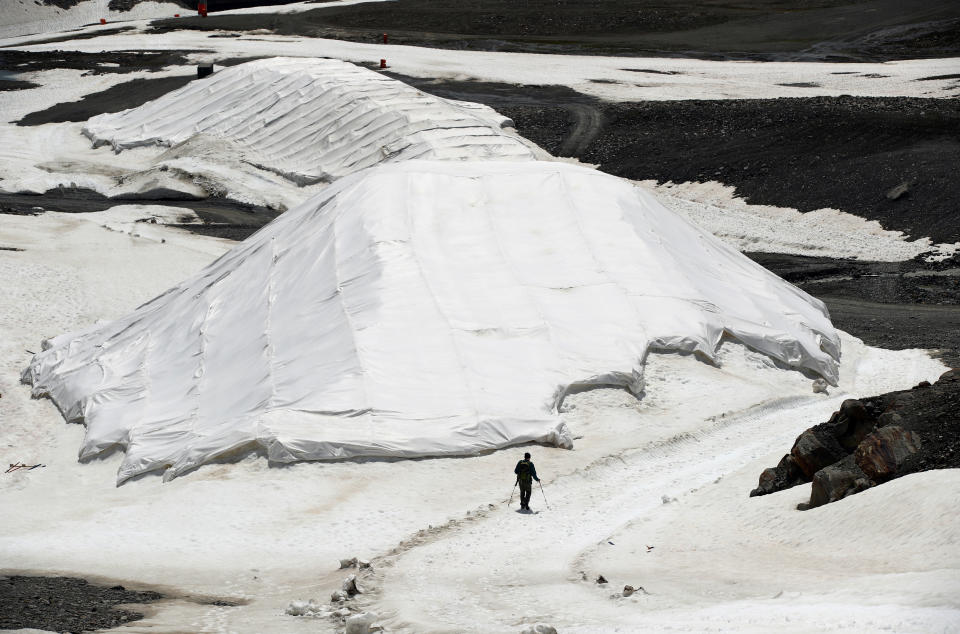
(813, 451)
(785, 475)
(883, 453)
(837, 482)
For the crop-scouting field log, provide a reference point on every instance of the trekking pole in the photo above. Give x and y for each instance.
(544, 495)
(512, 490)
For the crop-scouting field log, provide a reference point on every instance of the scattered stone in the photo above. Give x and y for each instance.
(363, 564)
(820, 387)
(304, 608)
(343, 612)
(360, 623)
(338, 596)
(348, 563)
(539, 628)
(601, 579)
(350, 586)
(297, 608)
(628, 590)
(885, 451)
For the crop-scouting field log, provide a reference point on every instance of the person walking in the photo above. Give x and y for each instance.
(526, 474)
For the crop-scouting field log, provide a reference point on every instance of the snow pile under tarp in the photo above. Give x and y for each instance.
(420, 308)
(313, 120)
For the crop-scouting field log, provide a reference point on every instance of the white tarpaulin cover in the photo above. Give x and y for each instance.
(313, 120)
(420, 308)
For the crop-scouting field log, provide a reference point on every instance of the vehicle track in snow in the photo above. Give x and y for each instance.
(587, 124)
(478, 564)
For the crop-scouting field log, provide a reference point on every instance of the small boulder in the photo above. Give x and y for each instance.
(350, 586)
(298, 608)
(601, 579)
(539, 628)
(348, 563)
(628, 590)
(360, 623)
(820, 386)
(837, 481)
(883, 453)
(338, 596)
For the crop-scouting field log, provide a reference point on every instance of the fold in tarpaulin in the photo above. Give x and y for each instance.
(420, 309)
(313, 120)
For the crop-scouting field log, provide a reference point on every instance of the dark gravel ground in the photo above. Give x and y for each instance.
(13, 61)
(222, 217)
(66, 604)
(893, 305)
(849, 153)
(129, 94)
(820, 30)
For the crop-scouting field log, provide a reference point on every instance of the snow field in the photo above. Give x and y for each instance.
(245, 530)
(693, 79)
(507, 569)
(824, 232)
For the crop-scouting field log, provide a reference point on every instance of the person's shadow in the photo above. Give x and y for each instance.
(527, 512)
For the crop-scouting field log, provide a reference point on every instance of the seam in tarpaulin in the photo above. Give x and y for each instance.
(446, 319)
(636, 365)
(351, 326)
(495, 233)
(268, 330)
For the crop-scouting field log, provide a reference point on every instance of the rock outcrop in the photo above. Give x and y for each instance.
(884, 452)
(870, 441)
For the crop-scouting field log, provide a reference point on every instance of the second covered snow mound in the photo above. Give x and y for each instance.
(313, 120)
(420, 309)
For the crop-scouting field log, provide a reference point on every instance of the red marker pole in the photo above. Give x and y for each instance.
(384, 38)
(383, 63)
(103, 21)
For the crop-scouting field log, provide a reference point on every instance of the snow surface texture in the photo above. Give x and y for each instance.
(420, 308)
(21, 17)
(824, 232)
(313, 120)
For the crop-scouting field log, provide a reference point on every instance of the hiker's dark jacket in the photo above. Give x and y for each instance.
(525, 471)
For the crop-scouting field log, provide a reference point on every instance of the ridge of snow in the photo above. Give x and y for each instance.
(420, 308)
(313, 120)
